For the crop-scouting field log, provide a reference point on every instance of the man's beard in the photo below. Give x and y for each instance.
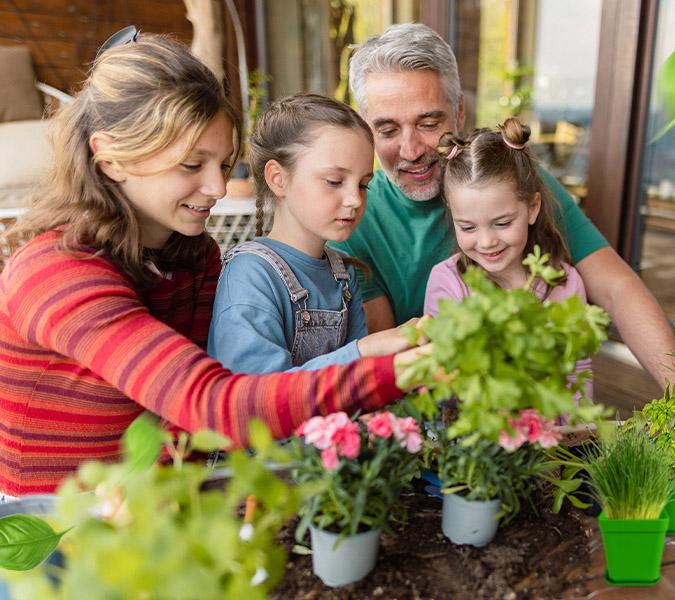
(426, 191)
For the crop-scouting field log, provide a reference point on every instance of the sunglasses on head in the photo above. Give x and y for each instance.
(124, 36)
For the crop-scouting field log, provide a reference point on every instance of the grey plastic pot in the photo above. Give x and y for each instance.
(351, 561)
(471, 522)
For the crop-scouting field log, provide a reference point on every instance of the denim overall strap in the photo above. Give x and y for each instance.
(296, 292)
(337, 267)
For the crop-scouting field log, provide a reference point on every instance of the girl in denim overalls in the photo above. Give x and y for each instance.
(286, 301)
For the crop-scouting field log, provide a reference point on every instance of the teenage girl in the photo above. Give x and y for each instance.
(104, 313)
(287, 299)
(500, 209)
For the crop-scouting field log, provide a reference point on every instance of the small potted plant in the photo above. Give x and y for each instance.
(505, 357)
(142, 530)
(483, 481)
(631, 475)
(361, 466)
(658, 417)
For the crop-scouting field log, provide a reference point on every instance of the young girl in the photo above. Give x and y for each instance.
(105, 312)
(500, 209)
(288, 300)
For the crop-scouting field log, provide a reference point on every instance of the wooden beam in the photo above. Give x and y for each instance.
(611, 132)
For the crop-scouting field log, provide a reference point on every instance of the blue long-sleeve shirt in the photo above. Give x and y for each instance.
(252, 328)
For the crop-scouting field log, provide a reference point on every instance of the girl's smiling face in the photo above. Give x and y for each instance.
(323, 196)
(491, 224)
(178, 198)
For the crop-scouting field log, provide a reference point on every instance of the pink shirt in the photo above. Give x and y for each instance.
(445, 281)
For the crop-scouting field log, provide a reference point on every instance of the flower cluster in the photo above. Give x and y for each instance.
(406, 431)
(337, 435)
(362, 466)
(530, 427)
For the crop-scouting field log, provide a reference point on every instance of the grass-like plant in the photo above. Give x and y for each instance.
(631, 475)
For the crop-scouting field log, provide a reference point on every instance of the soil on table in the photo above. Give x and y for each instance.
(537, 555)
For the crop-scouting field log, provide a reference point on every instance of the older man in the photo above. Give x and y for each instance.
(406, 85)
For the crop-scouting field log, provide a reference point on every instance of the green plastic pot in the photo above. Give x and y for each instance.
(670, 511)
(633, 549)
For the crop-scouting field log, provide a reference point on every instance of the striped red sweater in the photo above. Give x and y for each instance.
(82, 353)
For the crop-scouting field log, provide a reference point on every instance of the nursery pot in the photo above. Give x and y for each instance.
(470, 521)
(670, 511)
(351, 561)
(633, 549)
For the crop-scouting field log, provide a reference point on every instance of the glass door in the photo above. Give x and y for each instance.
(537, 60)
(654, 248)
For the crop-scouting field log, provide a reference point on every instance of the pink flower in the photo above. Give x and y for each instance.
(407, 433)
(329, 458)
(318, 431)
(413, 442)
(512, 442)
(380, 425)
(549, 437)
(347, 440)
(530, 423)
(530, 427)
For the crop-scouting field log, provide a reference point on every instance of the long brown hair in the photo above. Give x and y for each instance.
(144, 95)
(503, 156)
(285, 127)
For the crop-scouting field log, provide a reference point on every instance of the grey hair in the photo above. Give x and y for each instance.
(405, 47)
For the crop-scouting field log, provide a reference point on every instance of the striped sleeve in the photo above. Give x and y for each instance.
(83, 308)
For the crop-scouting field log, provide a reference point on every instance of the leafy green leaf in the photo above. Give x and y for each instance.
(206, 440)
(25, 541)
(142, 441)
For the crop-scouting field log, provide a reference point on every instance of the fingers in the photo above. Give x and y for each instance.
(404, 359)
(419, 325)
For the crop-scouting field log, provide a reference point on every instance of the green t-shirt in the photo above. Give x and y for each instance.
(401, 240)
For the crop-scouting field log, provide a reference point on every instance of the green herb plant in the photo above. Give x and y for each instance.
(631, 475)
(141, 530)
(501, 351)
(658, 416)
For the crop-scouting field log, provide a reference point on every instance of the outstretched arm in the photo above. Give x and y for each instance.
(612, 284)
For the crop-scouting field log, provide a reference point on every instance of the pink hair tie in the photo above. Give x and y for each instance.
(454, 152)
(514, 146)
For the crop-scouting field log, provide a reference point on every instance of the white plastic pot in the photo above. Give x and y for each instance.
(471, 522)
(351, 561)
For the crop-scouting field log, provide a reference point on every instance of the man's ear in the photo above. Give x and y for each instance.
(276, 177)
(461, 115)
(100, 141)
(534, 208)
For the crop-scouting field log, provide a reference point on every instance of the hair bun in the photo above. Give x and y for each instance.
(514, 133)
(450, 145)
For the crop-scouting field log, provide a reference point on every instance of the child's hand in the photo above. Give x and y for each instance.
(403, 360)
(388, 341)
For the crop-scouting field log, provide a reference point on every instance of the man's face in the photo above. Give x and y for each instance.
(408, 112)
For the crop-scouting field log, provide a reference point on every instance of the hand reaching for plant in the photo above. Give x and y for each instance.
(403, 362)
(387, 341)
